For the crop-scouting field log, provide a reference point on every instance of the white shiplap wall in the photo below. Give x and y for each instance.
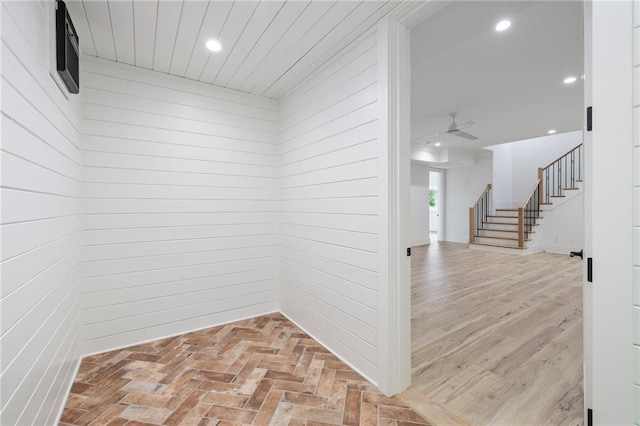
(179, 203)
(41, 223)
(636, 207)
(329, 205)
(267, 46)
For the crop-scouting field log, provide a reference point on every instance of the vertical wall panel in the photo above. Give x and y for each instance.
(328, 182)
(179, 203)
(40, 223)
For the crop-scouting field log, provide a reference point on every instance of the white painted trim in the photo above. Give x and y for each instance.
(514, 251)
(414, 13)
(327, 347)
(416, 243)
(394, 98)
(67, 390)
(557, 249)
(142, 342)
(461, 240)
(386, 325)
(609, 231)
(394, 68)
(587, 294)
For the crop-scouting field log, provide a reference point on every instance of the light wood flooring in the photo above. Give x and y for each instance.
(497, 338)
(260, 371)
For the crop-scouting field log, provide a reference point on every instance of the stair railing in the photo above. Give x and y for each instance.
(479, 212)
(529, 214)
(561, 174)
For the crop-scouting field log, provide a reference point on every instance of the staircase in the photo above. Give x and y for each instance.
(514, 229)
(500, 230)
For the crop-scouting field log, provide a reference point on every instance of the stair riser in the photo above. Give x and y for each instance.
(568, 196)
(503, 219)
(490, 233)
(509, 243)
(516, 251)
(513, 227)
(507, 213)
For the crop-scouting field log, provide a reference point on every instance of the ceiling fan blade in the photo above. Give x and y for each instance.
(466, 125)
(419, 138)
(466, 135)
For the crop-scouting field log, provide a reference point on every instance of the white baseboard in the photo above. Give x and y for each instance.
(515, 251)
(367, 378)
(549, 248)
(68, 388)
(461, 239)
(153, 339)
(420, 243)
(81, 358)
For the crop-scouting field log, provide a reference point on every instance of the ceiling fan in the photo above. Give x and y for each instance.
(455, 129)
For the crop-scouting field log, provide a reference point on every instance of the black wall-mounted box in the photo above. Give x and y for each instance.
(67, 49)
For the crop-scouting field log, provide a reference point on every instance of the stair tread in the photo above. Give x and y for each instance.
(499, 238)
(511, 217)
(500, 230)
(557, 196)
(570, 189)
(497, 245)
(512, 210)
(509, 223)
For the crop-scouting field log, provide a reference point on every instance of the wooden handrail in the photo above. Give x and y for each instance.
(487, 189)
(472, 214)
(530, 210)
(561, 157)
(561, 174)
(540, 186)
(526, 201)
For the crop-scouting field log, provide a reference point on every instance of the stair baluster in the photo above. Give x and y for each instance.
(561, 174)
(558, 176)
(530, 215)
(479, 212)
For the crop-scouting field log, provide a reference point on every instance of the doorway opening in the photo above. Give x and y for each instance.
(436, 204)
(496, 98)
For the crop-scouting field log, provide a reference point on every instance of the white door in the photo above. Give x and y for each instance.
(608, 199)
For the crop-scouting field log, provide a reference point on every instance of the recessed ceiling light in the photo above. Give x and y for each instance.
(552, 131)
(438, 144)
(503, 25)
(569, 80)
(214, 45)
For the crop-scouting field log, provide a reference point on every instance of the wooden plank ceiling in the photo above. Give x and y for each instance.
(267, 46)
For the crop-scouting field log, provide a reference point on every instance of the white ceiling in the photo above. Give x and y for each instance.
(509, 83)
(267, 46)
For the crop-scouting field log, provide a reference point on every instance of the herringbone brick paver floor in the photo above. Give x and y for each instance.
(259, 371)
